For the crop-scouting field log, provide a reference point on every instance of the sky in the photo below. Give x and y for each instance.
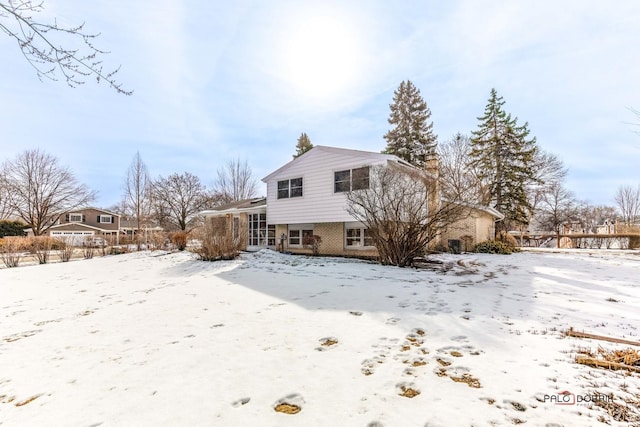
(220, 81)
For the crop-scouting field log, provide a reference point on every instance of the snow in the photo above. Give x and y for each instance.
(156, 338)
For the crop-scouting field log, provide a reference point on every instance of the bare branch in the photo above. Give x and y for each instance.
(42, 190)
(52, 49)
(235, 181)
(628, 200)
(177, 200)
(402, 211)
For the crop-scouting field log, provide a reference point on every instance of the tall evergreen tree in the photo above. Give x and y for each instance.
(304, 145)
(505, 157)
(411, 137)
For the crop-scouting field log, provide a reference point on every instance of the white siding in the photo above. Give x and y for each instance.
(318, 202)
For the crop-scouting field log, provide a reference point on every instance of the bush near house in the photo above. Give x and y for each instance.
(179, 239)
(312, 242)
(218, 242)
(493, 247)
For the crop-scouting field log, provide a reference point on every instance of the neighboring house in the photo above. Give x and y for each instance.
(129, 227)
(86, 223)
(306, 197)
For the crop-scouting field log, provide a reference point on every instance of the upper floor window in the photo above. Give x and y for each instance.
(105, 219)
(290, 188)
(75, 217)
(351, 179)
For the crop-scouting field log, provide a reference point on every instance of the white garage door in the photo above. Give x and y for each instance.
(73, 237)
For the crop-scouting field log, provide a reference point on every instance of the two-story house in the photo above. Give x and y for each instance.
(306, 197)
(86, 223)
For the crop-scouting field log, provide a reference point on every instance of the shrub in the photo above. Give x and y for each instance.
(11, 250)
(66, 251)
(312, 242)
(179, 239)
(88, 251)
(218, 242)
(41, 247)
(12, 228)
(158, 240)
(507, 239)
(493, 247)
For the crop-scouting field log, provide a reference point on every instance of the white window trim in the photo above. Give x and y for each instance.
(350, 170)
(300, 228)
(78, 216)
(356, 226)
(289, 196)
(103, 217)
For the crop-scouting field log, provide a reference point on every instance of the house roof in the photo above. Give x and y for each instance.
(133, 224)
(237, 206)
(95, 209)
(344, 151)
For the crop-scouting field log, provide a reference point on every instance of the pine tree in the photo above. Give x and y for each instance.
(505, 159)
(412, 137)
(304, 145)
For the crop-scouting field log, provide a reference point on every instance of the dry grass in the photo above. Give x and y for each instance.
(467, 379)
(287, 408)
(30, 399)
(618, 411)
(408, 392)
(443, 362)
(628, 356)
(327, 342)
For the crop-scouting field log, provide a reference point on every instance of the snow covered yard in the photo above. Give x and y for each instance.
(163, 339)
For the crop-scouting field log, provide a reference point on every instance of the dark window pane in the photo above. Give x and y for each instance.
(368, 238)
(283, 189)
(360, 178)
(353, 237)
(283, 194)
(342, 180)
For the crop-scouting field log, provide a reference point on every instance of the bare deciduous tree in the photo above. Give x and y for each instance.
(459, 180)
(137, 189)
(627, 199)
(177, 200)
(54, 50)
(592, 216)
(557, 205)
(6, 210)
(235, 182)
(42, 190)
(402, 212)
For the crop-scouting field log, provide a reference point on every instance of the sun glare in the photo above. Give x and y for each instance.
(320, 56)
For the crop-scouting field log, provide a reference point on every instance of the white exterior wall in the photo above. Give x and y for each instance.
(318, 202)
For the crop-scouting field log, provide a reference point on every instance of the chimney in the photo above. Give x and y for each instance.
(432, 168)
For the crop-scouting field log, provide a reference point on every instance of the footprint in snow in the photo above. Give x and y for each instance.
(241, 402)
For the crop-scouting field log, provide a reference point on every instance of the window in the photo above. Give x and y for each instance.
(258, 229)
(296, 237)
(290, 188)
(236, 227)
(358, 237)
(105, 219)
(75, 218)
(271, 235)
(351, 179)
